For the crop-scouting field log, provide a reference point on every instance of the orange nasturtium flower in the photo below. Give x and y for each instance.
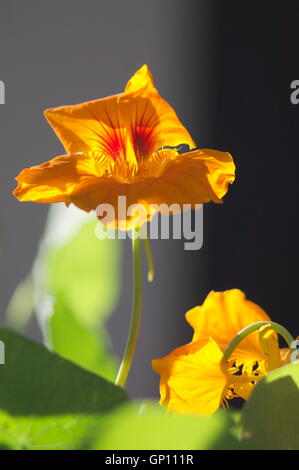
(194, 377)
(116, 147)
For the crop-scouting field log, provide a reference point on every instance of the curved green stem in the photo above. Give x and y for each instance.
(254, 327)
(150, 262)
(136, 313)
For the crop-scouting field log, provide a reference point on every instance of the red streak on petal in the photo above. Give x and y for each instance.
(114, 145)
(143, 141)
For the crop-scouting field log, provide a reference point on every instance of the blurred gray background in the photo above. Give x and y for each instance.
(226, 67)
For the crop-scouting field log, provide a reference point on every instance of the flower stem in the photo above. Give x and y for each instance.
(254, 327)
(136, 313)
(150, 262)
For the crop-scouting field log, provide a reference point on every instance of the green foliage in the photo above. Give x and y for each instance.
(47, 402)
(270, 417)
(148, 426)
(82, 275)
(75, 341)
(73, 288)
(21, 305)
(86, 271)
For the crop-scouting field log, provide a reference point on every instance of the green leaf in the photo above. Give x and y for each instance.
(21, 305)
(270, 417)
(47, 402)
(84, 346)
(86, 270)
(149, 426)
(77, 285)
(73, 288)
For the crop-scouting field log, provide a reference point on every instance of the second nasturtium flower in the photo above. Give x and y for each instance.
(195, 378)
(126, 145)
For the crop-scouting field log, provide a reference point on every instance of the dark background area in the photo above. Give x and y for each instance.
(226, 67)
(253, 241)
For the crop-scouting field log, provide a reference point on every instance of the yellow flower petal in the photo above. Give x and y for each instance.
(165, 180)
(285, 355)
(197, 177)
(129, 126)
(222, 316)
(142, 83)
(270, 348)
(192, 380)
(55, 180)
